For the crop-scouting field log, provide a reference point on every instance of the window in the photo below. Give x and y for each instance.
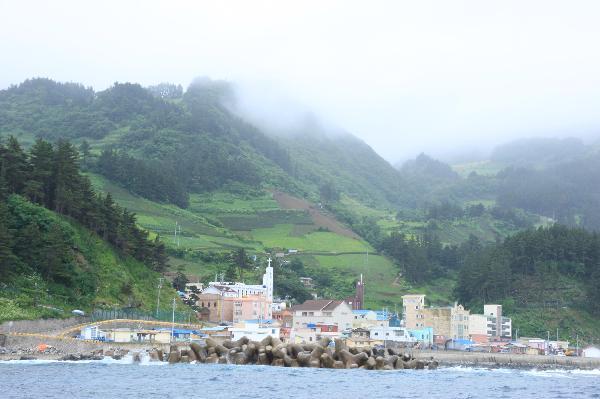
(310, 338)
(311, 313)
(203, 304)
(304, 313)
(215, 304)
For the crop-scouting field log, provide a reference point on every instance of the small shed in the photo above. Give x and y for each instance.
(591, 351)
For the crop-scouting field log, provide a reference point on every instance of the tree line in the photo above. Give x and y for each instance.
(557, 264)
(49, 175)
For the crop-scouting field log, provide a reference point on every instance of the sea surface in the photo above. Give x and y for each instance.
(123, 379)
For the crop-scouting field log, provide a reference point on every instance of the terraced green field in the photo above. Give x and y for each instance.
(221, 221)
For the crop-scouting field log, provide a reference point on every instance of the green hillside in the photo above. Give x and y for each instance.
(99, 276)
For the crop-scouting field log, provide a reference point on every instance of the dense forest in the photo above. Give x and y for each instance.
(34, 242)
(556, 267)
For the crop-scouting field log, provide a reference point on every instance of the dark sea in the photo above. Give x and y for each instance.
(123, 379)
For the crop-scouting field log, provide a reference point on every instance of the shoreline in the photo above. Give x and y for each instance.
(445, 359)
(19, 346)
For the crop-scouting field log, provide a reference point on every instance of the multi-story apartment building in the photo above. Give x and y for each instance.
(451, 322)
(491, 325)
(412, 308)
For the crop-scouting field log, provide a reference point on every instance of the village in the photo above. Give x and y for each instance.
(234, 310)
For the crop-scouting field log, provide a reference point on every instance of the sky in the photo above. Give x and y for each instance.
(443, 77)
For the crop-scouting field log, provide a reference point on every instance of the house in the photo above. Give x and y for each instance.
(303, 335)
(323, 312)
(591, 352)
(361, 338)
(254, 330)
(218, 332)
(284, 318)
(92, 333)
(133, 335)
(307, 282)
(278, 306)
(394, 334)
(366, 318)
(422, 335)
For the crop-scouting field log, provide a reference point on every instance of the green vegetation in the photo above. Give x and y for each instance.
(61, 244)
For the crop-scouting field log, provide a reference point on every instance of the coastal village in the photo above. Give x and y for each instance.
(234, 310)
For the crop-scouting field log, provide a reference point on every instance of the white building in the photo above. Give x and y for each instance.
(323, 312)
(367, 318)
(498, 325)
(239, 290)
(92, 332)
(253, 330)
(395, 334)
(491, 324)
(591, 351)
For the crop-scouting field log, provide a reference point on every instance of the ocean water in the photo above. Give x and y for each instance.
(123, 379)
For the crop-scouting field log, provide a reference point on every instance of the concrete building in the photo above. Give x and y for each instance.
(478, 328)
(591, 351)
(368, 318)
(422, 335)
(490, 326)
(235, 302)
(92, 333)
(323, 312)
(253, 330)
(412, 308)
(361, 338)
(499, 327)
(394, 334)
(451, 322)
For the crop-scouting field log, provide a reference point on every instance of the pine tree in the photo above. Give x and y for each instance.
(67, 179)
(16, 168)
(39, 188)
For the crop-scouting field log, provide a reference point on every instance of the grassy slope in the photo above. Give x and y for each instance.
(265, 226)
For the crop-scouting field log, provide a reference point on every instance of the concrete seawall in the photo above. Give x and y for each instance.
(508, 360)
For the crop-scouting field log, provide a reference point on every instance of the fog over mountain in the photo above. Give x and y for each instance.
(446, 78)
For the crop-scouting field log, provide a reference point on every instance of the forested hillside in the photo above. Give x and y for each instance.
(62, 245)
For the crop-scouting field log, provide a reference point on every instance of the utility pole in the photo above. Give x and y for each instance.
(160, 281)
(577, 345)
(173, 323)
